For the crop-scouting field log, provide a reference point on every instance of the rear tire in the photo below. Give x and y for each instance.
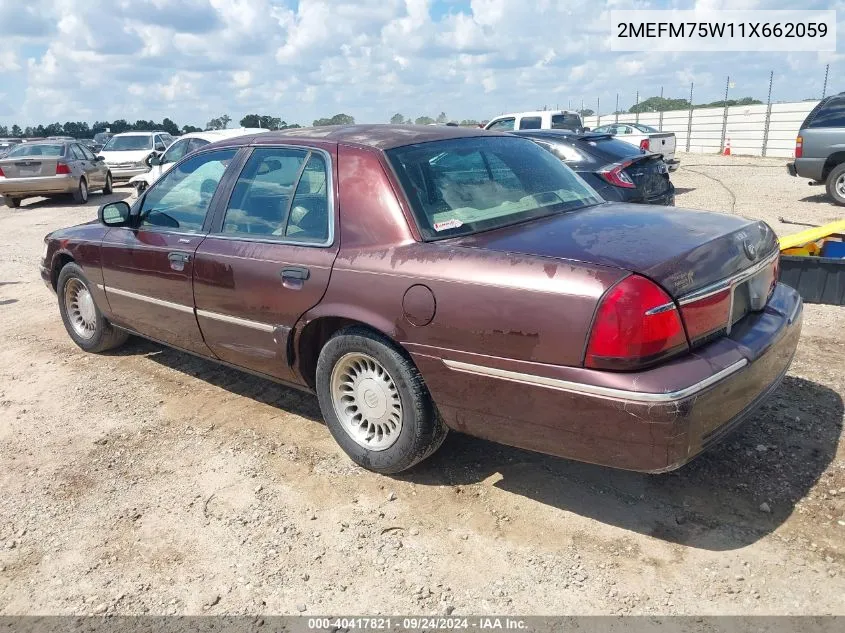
(84, 322)
(836, 184)
(13, 203)
(80, 196)
(375, 402)
(108, 188)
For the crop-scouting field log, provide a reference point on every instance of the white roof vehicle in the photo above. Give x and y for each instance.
(183, 146)
(126, 153)
(645, 137)
(537, 120)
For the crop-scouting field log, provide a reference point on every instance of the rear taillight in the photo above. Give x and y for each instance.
(799, 147)
(645, 144)
(2, 175)
(636, 324)
(62, 169)
(616, 176)
(707, 315)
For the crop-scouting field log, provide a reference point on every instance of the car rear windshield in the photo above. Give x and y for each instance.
(566, 122)
(610, 147)
(129, 143)
(467, 185)
(40, 149)
(645, 128)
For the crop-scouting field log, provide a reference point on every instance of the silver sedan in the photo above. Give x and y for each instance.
(48, 168)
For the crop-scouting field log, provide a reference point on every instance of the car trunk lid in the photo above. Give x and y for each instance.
(650, 175)
(28, 167)
(683, 250)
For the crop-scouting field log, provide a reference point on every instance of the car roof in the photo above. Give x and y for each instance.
(534, 113)
(561, 134)
(140, 132)
(378, 136)
(219, 135)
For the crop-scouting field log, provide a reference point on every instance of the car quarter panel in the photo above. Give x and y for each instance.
(81, 244)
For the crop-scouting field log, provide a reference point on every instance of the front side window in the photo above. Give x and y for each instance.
(133, 142)
(196, 143)
(87, 152)
(502, 125)
(180, 200)
(466, 185)
(175, 152)
(282, 193)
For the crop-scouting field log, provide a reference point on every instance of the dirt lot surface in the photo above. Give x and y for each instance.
(149, 481)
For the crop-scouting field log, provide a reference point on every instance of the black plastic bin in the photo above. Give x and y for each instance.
(817, 279)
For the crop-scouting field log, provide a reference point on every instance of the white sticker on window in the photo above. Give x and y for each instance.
(448, 224)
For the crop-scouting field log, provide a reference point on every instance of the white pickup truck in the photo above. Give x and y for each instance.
(646, 138)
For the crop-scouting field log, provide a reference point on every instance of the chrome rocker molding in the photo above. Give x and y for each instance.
(255, 325)
(594, 390)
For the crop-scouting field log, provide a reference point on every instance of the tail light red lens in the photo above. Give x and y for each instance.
(645, 144)
(2, 175)
(637, 324)
(799, 147)
(707, 315)
(62, 169)
(616, 176)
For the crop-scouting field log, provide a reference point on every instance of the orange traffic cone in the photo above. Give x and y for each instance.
(727, 151)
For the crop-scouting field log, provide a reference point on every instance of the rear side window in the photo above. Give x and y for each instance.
(76, 152)
(831, 114)
(530, 123)
(566, 122)
(281, 193)
(502, 125)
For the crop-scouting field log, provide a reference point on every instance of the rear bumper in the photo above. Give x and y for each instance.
(652, 421)
(37, 185)
(812, 168)
(790, 169)
(672, 164)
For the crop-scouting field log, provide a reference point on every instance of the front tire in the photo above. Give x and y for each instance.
(83, 320)
(375, 402)
(836, 184)
(108, 188)
(80, 196)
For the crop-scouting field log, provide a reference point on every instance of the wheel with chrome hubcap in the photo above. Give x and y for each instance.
(83, 320)
(81, 193)
(836, 184)
(375, 402)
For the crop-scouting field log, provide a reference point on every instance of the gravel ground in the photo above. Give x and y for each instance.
(149, 481)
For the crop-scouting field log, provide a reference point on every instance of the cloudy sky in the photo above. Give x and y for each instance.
(192, 60)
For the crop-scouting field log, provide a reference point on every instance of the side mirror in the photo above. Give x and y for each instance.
(114, 214)
(152, 159)
(100, 159)
(586, 129)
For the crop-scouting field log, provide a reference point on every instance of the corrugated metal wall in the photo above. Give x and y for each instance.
(745, 127)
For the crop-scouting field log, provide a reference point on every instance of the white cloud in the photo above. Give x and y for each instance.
(190, 60)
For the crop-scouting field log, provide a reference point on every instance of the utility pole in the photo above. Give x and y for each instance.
(725, 115)
(660, 120)
(616, 112)
(824, 87)
(689, 121)
(768, 114)
(637, 108)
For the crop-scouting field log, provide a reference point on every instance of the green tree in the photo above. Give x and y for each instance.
(337, 119)
(54, 129)
(187, 129)
(397, 119)
(170, 127)
(659, 104)
(16, 130)
(441, 118)
(468, 122)
(251, 120)
(120, 125)
(731, 102)
(219, 123)
(586, 112)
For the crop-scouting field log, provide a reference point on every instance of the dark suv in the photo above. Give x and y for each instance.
(820, 147)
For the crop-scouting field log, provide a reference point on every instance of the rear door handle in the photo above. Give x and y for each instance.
(296, 272)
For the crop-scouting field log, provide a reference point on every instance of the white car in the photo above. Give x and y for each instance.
(184, 145)
(537, 120)
(645, 137)
(126, 154)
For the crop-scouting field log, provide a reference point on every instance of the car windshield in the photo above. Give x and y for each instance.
(129, 143)
(644, 128)
(101, 137)
(37, 149)
(467, 185)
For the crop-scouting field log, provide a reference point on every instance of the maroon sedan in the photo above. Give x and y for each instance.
(420, 279)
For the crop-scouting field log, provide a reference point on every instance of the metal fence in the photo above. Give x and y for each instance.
(756, 130)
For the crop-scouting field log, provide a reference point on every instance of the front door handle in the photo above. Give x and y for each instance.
(178, 260)
(293, 277)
